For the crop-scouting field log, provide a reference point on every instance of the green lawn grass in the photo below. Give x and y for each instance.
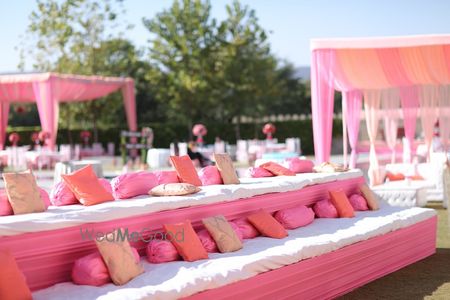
(426, 279)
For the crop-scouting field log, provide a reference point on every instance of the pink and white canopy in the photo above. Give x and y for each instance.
(49, 89)
(412, 72)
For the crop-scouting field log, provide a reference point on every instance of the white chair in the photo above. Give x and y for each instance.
(219, 147)
(242, 151)
(66, 152)
(182, 149)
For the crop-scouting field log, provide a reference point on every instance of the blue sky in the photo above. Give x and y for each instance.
(292, 23)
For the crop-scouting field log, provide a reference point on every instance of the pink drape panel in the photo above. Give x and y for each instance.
(4, 111)
(429, 101)
(392, 67)
(372, 99)
(409, 97)
(48, 108)
(322, 102)
(130, 104)
(352, 101)
(390, 103)
(444, 116)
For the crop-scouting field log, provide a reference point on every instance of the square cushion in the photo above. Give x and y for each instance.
(184, 238)
(23, 193)
(267, 225)
(85, 186)
(185, 170)
(12, 282)
(174, 189)
(370, 197)
(226, 169)
(222, 233)
(342, 204)
(277, 169)
(119, 257)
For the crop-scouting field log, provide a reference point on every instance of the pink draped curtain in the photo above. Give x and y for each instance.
(4, 112)
(372, 99)
(130, 104)
(429, 101)
(390, 102)
(351, 103)
(409, 97)
(444, 116)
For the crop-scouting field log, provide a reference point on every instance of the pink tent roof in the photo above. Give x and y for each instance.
(408, 66)
(49, 89)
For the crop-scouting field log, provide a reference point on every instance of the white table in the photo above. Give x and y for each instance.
(158, 157)
(70, 166)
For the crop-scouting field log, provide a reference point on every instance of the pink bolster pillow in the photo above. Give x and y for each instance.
(207, 241)
(246, 229)
(62, 195)
(5, 206)
(298, 165)
(106, 184)
(159, 251)
(130, 185)
(358, 202)
(92, 270)
(258, 172)
(166, 177)
(325, 209)
(238, 231)
(210, 175)
(295, 217)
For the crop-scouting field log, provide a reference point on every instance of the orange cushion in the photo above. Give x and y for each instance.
(85, 186)
(370, 197)
(416, 177)
(185, 170)
(395, 176)
(12, 282)
(267, 225)
(342, 204)
(277, 169)
(184, 238)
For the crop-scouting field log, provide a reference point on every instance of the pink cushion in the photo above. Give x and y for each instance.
(298, 165)
(246, 229)
(295, 217)
(159, 251)
(61, 195)
(238, 231)
(358, 202)
(165, 177)
(325, 209)
(207, 241)
(106, 184)
(92, 270)
(258, 172)
(5, 206)
(210, 175)
(130, 185)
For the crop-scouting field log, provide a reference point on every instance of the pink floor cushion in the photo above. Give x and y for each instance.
(295, 217)
(45, 197)
(236, 229)
(325, 209)
(160, 251)
(207, 241)
(258, 172)
(130, 185)
(210, 175)
(61, 195)
(106, 184)
(166, 177)
(92, 270)
(5, 206)
(358, 202)
(297, 165)
(246, 229)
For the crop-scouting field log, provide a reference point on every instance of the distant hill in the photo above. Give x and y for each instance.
(303, 72)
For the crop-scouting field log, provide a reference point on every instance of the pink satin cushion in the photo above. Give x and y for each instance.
(92, 270)
(325, 209)
(62, 195)
(207, 241)
(160, 251)
(166, 177)
(295, 217)
(236, 229)
(298, 165)
(210, 175)
(258, 172)
(130, 185)
(5, 206)
(358, 202)
(246, 229)
(106, 184)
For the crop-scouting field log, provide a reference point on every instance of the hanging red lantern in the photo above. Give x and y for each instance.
(20, 109)
(269, 129)
(14, 139)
